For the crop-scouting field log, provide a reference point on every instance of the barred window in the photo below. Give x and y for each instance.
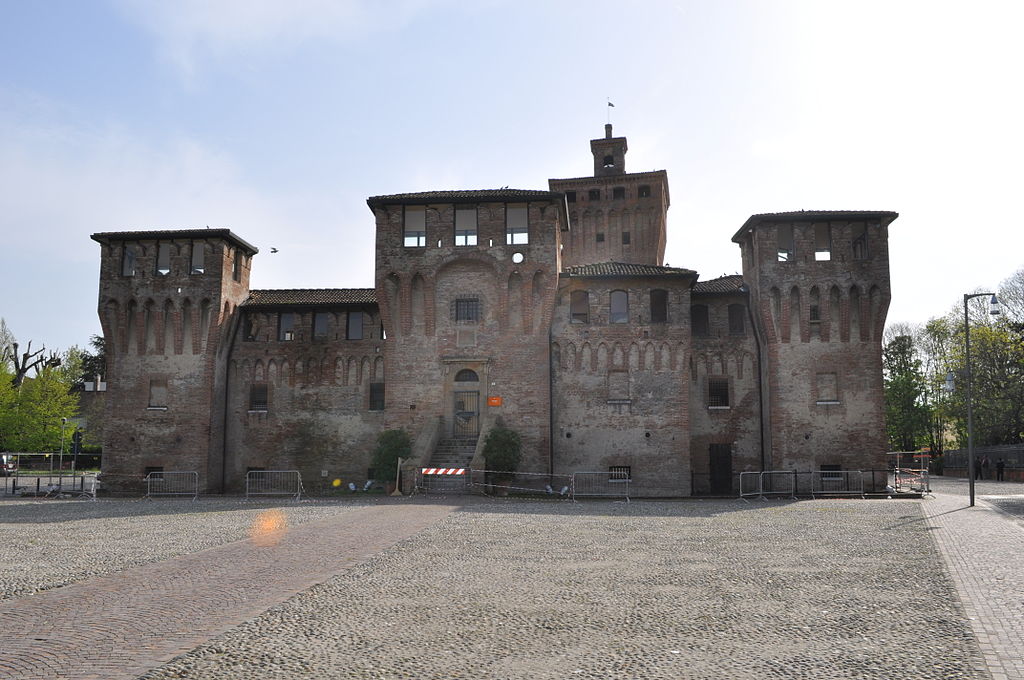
(377, 396)
(619, 473)
(718, 392)
(258, 397)
(466, 309)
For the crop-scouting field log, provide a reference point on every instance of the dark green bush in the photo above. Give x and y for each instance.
(391, 445)
(502, 449)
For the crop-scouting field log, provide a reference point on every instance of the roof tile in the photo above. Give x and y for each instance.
(311, 296)
(624, 269)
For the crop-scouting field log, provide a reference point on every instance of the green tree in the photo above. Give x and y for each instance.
(31, 413)
(502, 449)
(906, 411)
(391, 445)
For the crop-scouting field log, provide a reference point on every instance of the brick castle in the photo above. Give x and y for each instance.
(550, 310)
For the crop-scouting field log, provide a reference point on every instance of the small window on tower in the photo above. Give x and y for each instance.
(198, 257)
(415, 227)
(609, 161)
(644, 191)
(163, 259)
(320, 325)
(618, 307)
(516, 224)
(785, 236)
(659, 306)
(828, 388)
(570, 196)
(625, 238)
(354, 326)
(579, 307)
(737, 321)
(600, 237)
(236, 266)
(718, 392)
(619, 193)
(465, 226)
(466, 309)
(377, 396)
(822, 242)
(286, 326)
(860, 242)
(128, 261)
(594, 195)
(699, 321)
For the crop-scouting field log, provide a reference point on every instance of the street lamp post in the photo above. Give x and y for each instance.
(994, 311)
(60, 464)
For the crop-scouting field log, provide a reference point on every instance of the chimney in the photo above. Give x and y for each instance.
(607, 130)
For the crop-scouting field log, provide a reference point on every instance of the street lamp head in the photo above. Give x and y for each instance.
(993, 306)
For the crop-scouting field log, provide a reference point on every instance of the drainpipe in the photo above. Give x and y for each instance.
(551, 410)
(745, 289)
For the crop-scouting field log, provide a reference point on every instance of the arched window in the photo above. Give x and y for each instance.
(579, 307)
(466, 375)
(699, 321)
(659, 306)
(618, 307)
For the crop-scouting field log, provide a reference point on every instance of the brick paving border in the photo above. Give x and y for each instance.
(124, 624)
(983, 549)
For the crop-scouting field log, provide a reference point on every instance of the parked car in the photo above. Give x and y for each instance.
(7, 465)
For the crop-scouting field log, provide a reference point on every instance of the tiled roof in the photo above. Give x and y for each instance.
(463, 196)
(815, 216)
(723, 284)
(311, 296)
(624, 269)
(168, 234)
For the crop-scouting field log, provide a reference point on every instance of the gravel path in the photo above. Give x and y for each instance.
(699, 589)
(48, 544)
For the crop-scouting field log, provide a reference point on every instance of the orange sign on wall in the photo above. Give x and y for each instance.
(494, 401)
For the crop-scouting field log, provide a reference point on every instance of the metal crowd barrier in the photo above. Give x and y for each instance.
(535, 483)
(916, 480)
(837, 482)
(172, 484)
(273, 483)
(443, 480)
(750, 484)
(599, 484)
(768, 483)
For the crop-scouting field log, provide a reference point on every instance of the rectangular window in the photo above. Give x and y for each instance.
(258, 400)
(467, 309)
(618, 385)
(570, 196)
(619, 193)
(822, 242)
(377, 396)
(600, 237)
(236, 266)
(516, 225)
(860, 242)
(579, 307)
(718, 392)
(619, 473)
(465, 226)
(618, 307)
(644, 191)
(831, 471)
(785, 235)
(659, 306)
(163, 259)
(198, 257)
(128, 261)
(828, 388)
(354, 326)
(625, 238)
(249, 334)
(815, 314)
(737, 322)
(320, 325)
(594, 195)
(415, 227)
(286, 326)
(158, 393)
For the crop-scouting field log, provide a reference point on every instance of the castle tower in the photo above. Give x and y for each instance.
(819, 289)
(614, 216)
(166, 302)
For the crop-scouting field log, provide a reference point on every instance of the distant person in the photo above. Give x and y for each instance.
(1000, 469)
(977, 468)
(984, 467)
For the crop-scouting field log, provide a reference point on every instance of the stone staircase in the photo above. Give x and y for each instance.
(451, 453)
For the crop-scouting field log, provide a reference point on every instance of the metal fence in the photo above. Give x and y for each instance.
(172, 484)
(599, 484)
(914, 480)
(55, 485)
(750, 484)
(491, 482)
(273, 483)
(837, 483)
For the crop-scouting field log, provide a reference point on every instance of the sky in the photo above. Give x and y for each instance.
(278, 119)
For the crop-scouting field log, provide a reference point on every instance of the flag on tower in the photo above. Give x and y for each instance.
(611, 105)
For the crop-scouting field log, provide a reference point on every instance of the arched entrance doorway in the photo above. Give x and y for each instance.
(466, 404)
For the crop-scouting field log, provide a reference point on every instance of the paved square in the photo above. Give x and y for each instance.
(518, 589)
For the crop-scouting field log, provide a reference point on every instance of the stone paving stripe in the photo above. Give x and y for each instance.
(124, 624)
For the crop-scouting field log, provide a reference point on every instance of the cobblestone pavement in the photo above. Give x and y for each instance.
(517, 589)
(123, 624)
(984, 550)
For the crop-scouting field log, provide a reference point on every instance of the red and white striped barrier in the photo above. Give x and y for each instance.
(443, 471)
